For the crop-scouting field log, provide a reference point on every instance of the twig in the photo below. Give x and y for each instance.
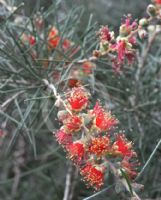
(57, 96)
(142, 133)
(149, 159)
(68, 183)
(144, 57)
(150, 43)
(18, 162)
(74, 182)
(123, 181)
(71, 181)
(92, 58)
(100, 192)
(134, 108)
(9, 100)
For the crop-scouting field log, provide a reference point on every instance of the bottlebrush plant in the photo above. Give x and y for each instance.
(85, 136)
(53, 71)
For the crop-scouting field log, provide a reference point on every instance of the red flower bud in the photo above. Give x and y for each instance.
(99, 146)
(88, 67)
(28, 39)
(93, 175)
(105, 34)
(53, 38)
(122, 146)
(66, 44)
(63, 138)
(103, 120)
(72, 123)
(76, 151)
(32, 40)
(78, 98)
(129, 167)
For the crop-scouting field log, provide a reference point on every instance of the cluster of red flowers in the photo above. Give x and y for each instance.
(120, 48)
(86, 135)
(54, 40)
(123, 45)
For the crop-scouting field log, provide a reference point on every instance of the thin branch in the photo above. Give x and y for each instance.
(149, 160)
(144, 57)
(9, 100)
(123, 181)
(70, 183)
(57, 96)
(100, 192)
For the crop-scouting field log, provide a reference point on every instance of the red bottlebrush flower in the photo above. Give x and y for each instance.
(124, 50)
(32, 40)
(76, 152)
(53, 32)
(66, 44)
(53, 42)
(157, 1)
(121, 49)
(93, 175)
(72, 123)
(103, 120)
(133, 25)
(97, 109)
(116, 66)
(105, 34)
(129, 167)
(72, 82)
(88, 67)
(99, 146)
(122, 147)
(28, 39)
(63, 138)
(130, 57)
(128, 26)
(78, 99)
(132, 40)
(53, 38)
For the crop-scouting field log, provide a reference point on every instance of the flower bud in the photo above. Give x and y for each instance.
(124, 30)
(151, 10)
(142, 33)
(143, 22)
(96, 53)
(104, 46)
